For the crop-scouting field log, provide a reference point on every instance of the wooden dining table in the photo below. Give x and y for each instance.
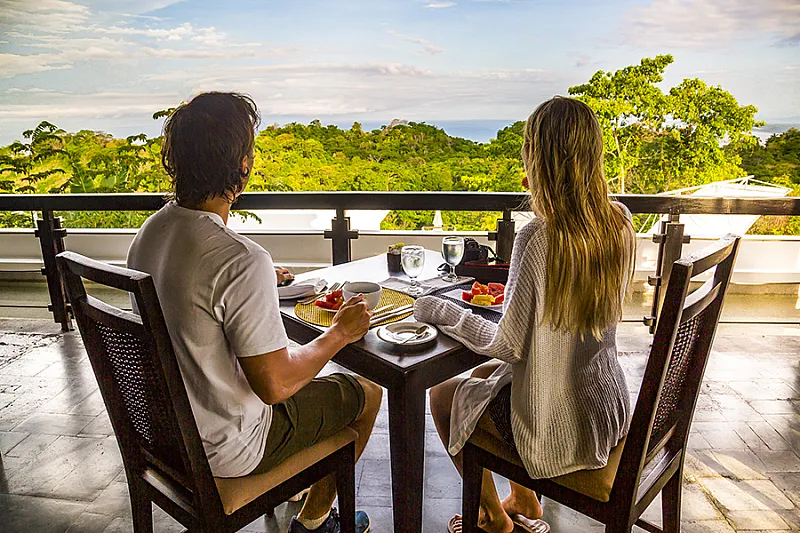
(405, 372)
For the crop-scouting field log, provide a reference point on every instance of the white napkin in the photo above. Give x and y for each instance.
(428, 285)
(299, 289)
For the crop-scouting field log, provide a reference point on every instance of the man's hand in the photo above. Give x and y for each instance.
(352, 319)
(283, 274)
(276, 376)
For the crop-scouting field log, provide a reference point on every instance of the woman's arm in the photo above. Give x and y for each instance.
(475, 332)
(483, 336)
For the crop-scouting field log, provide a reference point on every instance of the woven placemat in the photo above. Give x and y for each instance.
(488, 314)
(319, 317)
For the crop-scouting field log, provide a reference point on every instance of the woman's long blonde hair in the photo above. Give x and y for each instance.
(590, 240)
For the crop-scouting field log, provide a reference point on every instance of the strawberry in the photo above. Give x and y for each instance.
(326, 304)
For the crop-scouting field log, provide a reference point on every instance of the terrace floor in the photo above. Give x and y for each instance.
(60, 469)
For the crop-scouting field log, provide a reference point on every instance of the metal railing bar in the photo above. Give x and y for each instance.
(412, 201)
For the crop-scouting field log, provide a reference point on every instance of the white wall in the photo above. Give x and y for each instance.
(761, 260)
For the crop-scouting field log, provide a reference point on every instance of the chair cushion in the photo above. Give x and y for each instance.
(595, 484)
(236, 492)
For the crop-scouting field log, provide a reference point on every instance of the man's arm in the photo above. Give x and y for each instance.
(277, 376)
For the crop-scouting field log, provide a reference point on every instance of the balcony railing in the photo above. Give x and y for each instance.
(670, 237)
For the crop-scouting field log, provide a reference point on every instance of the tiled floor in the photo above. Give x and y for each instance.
(61, 469)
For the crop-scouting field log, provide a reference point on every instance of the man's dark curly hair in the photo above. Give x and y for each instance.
(205, 142)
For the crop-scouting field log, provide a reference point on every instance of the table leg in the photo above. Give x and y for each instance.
(407, 448)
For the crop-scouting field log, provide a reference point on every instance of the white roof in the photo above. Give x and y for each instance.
(719, 225)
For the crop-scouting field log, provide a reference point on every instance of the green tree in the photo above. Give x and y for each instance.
(25, 164)
(630, 107)
(777, 161)
(656, 141)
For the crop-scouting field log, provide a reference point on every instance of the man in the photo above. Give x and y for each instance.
(256, 401)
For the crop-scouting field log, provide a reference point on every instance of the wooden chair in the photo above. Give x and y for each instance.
(136, 369)
(650, 459)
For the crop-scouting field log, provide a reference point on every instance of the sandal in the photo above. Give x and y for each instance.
(299, 496)
(530, 526)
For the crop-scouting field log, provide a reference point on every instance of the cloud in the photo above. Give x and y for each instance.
(711, 23)
(54, 16)
(209, 37)
(117, 43)
(196, 53)
(130, 8)
(59, 105)
(12, 65)
(366, 91)
(439, 5)
(74, 47)
(426, 46)
(378, 90)
(171, 34)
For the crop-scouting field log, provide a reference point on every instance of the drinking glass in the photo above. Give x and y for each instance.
(453, 252)
(413, 260)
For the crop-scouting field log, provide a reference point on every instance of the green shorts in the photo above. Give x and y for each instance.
(319, 410)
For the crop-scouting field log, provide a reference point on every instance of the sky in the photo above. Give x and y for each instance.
(110, 64)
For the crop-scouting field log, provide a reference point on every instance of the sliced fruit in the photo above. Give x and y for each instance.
(496, 289)
(499, 299)
(483, 299)
(326, 304)
(333, 296)
(478, 288)
(466, 296)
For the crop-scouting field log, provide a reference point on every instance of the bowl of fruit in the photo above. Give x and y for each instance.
(491, 295)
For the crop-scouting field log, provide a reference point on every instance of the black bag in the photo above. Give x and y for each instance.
(476, 263)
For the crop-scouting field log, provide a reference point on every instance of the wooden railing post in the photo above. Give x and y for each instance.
(340, 235)
(670, 240)
(51, 238)
(504, 236)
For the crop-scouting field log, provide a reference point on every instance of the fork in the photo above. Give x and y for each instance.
(317, 296)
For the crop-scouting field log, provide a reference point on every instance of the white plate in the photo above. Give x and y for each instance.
(398, 332)
(455, 294)
(301, 289)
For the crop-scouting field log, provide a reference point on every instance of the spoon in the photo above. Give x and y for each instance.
(420, 331)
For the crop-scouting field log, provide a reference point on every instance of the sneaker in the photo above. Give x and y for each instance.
(332, 524)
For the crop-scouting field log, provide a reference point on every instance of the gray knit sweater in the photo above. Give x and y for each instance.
(569, 398)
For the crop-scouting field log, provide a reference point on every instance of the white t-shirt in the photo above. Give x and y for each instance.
(218, 292)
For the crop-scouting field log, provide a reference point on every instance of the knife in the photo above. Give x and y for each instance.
(390, 314)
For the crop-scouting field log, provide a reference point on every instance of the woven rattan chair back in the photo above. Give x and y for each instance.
(139, 379)
(653, 453)
(141, 384)
(681, 347)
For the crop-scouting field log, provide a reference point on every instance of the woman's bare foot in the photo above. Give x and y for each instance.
(495, 524)
(527, 506)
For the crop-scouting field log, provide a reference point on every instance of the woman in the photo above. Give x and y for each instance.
(557, 392)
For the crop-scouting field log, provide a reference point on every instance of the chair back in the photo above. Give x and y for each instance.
(681, 346)
(140, 381)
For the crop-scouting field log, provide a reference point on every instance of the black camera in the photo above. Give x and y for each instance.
(474, 251)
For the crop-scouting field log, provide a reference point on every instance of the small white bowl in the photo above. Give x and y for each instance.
(371, 291)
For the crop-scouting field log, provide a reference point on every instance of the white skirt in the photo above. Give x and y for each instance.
(470, 400)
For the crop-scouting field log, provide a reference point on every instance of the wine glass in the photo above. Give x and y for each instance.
(453, 252)
(413, 260)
